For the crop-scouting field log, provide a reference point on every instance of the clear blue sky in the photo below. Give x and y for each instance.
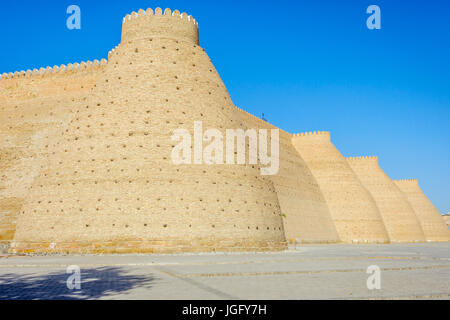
(308, 65)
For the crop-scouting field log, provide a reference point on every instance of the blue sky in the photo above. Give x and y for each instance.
(308, 65)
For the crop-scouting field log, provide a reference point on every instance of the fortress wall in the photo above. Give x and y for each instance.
(85, 161)
(34, 110)
(429, 217)
(306, 215)
(352, 208)
(110, 184)
(399, 217)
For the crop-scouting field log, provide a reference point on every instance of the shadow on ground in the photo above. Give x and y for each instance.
(96, 283)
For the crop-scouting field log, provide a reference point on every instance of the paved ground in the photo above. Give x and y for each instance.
(408, 271)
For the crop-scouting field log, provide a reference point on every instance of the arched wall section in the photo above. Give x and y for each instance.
(352, 208)
(398, 216)
(305, 212)
(429, 217)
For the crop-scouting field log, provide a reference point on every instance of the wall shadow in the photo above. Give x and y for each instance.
(96, 283)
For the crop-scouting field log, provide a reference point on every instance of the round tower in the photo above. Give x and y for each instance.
(352, 208)
(167, 24)
(110, 184)
(429, 217)
(398, 216)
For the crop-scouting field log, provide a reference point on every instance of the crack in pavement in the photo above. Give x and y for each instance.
(197, 284)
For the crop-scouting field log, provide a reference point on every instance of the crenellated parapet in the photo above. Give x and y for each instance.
(363, 159)
(312, 137)
(407, 181)
(312, 133)
(111, 52)
(167, 24)
(50, 81)
(56, 70)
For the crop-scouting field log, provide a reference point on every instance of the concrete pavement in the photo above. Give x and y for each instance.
(408, 271)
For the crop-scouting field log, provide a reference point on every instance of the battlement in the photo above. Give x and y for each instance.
(313, 133)
(50, 71)
(167, 24)
(363, 158)
(407, 181)
(111, 52)
(312, 137)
